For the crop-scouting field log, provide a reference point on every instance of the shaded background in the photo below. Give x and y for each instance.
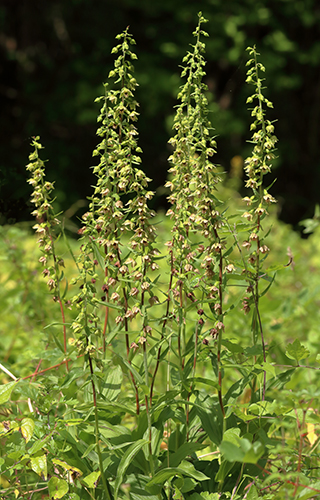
(55, 55)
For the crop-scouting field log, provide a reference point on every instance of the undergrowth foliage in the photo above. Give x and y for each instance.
(153, 396)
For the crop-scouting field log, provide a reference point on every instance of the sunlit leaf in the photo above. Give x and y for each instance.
(311, 435)
(5, 391)
(58, 488)
(92, 479)
(39, 466)
(27, 428)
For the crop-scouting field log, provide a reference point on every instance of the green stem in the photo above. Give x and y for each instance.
(145, 360)
(106, 485)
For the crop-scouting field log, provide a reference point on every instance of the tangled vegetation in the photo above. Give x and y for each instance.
(164, 356)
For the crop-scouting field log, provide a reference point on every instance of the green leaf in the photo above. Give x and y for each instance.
(236, 390)
(134, 372)
(112, 385)
(38, 445)
(266, 367)
(252, 493)
(297, 351)
(231, 346)
(89, 449)
(211, 418)
(39, 466)
(97, 254)
(91, 480)
(5, 391)
(65, 290)
(57, 487)
(231, 451)
(254, 350)
(253, 452)
(125, 461)
(185, 450)
(185, 468)
(202, 380)
(27, 428)
(244, 451)
(232, 435)
(189, 470)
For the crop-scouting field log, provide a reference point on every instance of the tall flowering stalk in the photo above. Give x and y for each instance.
(45, 228)
(195, 210)
(256, 167)
(118, 213)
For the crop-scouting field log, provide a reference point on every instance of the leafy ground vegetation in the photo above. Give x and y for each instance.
(161, 356)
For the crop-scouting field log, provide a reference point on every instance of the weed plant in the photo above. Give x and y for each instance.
(144, 388)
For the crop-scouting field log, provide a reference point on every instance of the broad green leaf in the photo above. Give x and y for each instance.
(244, 451)
(202, 380)
(244, 416)
(254, 350)
(92, 479)
(211, 418)
(236, 390)
(163, 475)
(253, 452)
(185, 450)
(27, 428)
(232, 435)
(231, 346)
(5, 391)
(188, 485)
(190, 471)
(125, 461)
(186, 468)
(58, 488)
(39, 466)
(231, 451)
(266, 367)
(113, 407)
(134, 372)
(112, 384)
(297, 351)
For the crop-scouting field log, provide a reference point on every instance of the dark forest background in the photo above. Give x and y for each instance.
(54, 56)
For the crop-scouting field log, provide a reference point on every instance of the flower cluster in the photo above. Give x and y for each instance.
(119, 209)
(193, 182)
(45, 217)
(258, 165)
